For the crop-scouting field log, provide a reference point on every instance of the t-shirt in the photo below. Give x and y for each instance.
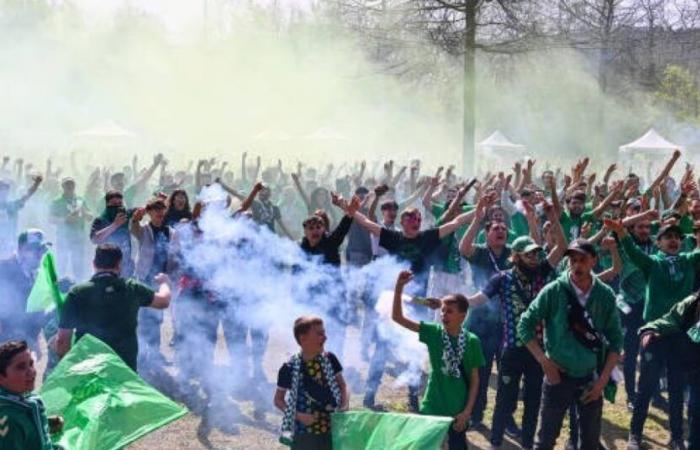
(446, 395)
(63, 207)
(515, 291)
(414, 250)
(121, 237)
(313, 393)
(107, 307)
(161, 244)
(265, 214)
(8, 226)
(484, 264)
(572, 225)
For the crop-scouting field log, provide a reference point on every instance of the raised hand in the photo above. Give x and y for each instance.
(405, 277)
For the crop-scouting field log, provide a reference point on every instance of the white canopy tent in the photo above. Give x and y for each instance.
(651, 150)
(497, 150)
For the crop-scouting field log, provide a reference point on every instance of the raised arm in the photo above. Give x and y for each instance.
(302, 193)
(453, 225)
(248, 201)
(608, 275)
(636, 255)
(466, 245)
(666, 170)
(614, 192)
(379, 191)
(456, 205)
(232, 191)
(397, 310)
(32, 189)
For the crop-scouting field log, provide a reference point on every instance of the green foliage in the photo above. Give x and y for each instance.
(679, 91)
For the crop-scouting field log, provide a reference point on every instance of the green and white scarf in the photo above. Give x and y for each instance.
(451, 360)
(289, 419)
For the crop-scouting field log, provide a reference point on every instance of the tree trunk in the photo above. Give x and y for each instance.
(469, 90)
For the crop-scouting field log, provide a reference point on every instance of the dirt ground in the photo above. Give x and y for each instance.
(262, 434)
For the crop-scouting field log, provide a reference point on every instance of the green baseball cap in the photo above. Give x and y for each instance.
(524, 244)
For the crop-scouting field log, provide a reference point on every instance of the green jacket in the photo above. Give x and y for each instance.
(669, 279)
(682, 316)
(23, 423)
(560, 344)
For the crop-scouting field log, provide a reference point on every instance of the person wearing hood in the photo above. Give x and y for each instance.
(112, 227)
(17, 275)
(670, 277)
(514, 290)
(582, 344)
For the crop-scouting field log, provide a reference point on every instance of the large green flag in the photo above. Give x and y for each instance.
(45, 294)
(367, 430)
(105, 405)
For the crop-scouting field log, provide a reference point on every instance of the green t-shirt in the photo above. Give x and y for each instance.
(61, 208)
(572, 226)
(453, 258)
(446, 395)
(107, 307)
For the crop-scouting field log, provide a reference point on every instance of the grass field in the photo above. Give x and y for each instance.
(262, 434)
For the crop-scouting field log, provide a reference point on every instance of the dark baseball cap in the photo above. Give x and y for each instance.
(670, 228)
(581, 246)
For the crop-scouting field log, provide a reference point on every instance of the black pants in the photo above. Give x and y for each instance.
(556, 400)
(665, 352)
(632, 322)
(456, 440)
(491, 338)
(517, 363)
(312, 442)
(694, 415)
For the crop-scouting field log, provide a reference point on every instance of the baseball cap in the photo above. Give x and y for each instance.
(524, 244)
(669, 229)
(33, 237)
(581, 246)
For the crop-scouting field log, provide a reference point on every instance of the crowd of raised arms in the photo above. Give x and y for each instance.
(563, 278)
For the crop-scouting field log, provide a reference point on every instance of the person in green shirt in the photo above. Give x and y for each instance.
(670, 277)
(575, 216)
(455, 356)
(70, 214)
(683, 318)
(582, 344)
(107, 306)
(23, 421)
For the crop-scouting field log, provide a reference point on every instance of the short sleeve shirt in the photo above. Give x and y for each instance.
(414, 250)
(446, 395)
(313, 392)
(107, 307)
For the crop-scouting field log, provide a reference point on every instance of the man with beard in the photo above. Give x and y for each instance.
(515, 289)
(485, 261)
(670, 277)
(575, 216)
(17, 275)
(582, 343)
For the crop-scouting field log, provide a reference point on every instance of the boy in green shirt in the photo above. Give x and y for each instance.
(455, 356)
(23, 421)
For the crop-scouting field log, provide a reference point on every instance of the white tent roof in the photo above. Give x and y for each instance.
(651, 142)
(498, 140)
(107, 129)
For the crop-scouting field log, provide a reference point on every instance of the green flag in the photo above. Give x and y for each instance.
(367, 430)
(105, 405)
(45, 294)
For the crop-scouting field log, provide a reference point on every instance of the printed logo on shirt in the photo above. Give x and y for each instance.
(4, 429)
(648, 356)
(506, 379)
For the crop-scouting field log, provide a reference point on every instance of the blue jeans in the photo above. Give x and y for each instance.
(517, 363)
(664, 352)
